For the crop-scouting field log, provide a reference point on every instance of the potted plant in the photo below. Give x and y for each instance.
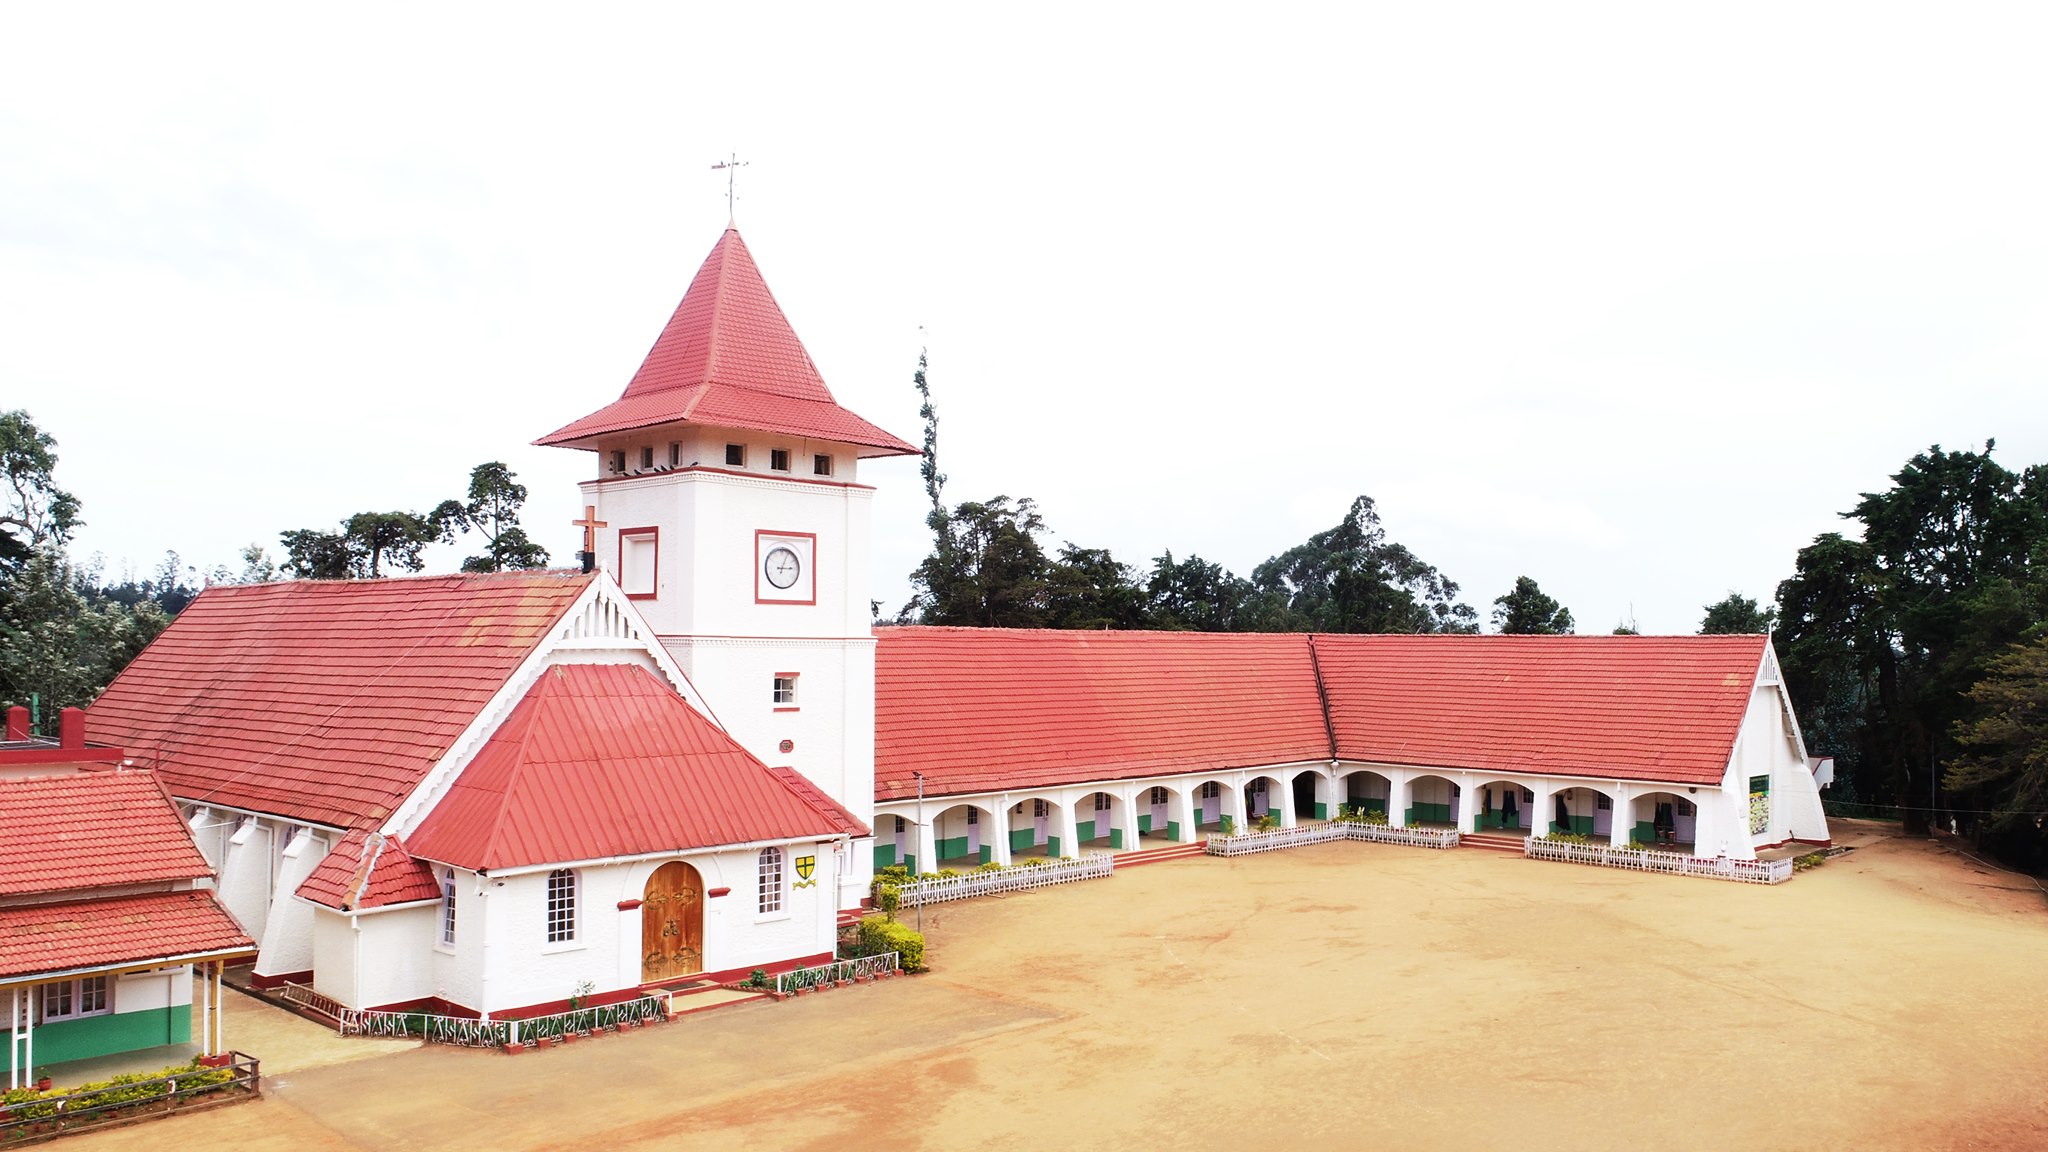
(43, 1080)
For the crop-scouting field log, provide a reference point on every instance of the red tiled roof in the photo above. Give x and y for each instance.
(1617, 707)
(122, 930)
(604, 760)
(982, 709)
(729, 358)
(89, 830)
(841, 816)
(369, 870)
(325, 700)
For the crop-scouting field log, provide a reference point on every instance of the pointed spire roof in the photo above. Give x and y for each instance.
(729, 358)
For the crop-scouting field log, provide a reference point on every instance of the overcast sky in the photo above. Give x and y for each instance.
(1628, 302)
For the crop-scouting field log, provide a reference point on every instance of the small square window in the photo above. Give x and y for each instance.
(785, 691)
(735, 455)
(974, 815)
(778, 459)
(899, 825)
(1102, 801)
(1606, 805)
(618, 462)
(821, 465)
(1038, 809)
(647, 456)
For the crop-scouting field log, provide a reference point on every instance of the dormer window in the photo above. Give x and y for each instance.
(735, 455)
(618, 462)
(778, 459)
(821, 465)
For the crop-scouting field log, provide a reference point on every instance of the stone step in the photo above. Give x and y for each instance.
(1497, 843)
(1158, 855)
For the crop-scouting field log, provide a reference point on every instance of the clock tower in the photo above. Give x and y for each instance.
(727, 503)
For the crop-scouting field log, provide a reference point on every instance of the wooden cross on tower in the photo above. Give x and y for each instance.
(590, 524)
(730, 166)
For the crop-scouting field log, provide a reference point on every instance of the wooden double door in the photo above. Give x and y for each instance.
(672, 923)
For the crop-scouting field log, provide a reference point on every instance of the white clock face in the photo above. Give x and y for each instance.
(782, 567)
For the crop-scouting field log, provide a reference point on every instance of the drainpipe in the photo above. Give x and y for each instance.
(355, 968)
(483, 982)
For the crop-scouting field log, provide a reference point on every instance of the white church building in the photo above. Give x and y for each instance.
(480, 794)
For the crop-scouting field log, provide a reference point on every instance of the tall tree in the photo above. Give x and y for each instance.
(492, 511)
(1353, 579)
(1526, 611)
(38, 514)
(2006, 767)
(1089, 588)
(1896, 628)
(987, 570)
(1737, 615)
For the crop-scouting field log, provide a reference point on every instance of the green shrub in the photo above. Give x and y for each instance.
(888, 898)
(1226, 825)
(879, 934)
(1266, 823)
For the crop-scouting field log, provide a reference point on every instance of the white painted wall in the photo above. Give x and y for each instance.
(705, 607)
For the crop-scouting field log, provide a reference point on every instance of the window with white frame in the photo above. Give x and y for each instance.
(778, 459)
(1211, 790)
(785, 690)
(561, 906)
(1158, 795)
(821, 465)
(1102, 801)
(75, 999)
(771, 880)
(1039, 809)
(647, 456)
(447, 905)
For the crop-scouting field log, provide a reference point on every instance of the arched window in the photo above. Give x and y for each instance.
(561, 906)
(771, 879)
(447, 905)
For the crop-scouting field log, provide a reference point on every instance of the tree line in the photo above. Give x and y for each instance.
(66, 627)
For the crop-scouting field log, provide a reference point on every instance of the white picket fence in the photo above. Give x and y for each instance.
(1243, 843)
(1649, 860)
(967, 885)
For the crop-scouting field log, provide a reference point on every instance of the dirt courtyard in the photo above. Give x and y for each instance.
(1346, 995)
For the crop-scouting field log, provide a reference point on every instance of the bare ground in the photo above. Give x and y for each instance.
(1344, 995)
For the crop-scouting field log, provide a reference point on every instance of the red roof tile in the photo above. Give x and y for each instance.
(1616, 707)
(369, 870)
(325, 701)
(729, 358)
(123, 930)
(982, 709)
(91, 829)
(645, 771)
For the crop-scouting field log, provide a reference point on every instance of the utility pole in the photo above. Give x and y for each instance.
(920, 845)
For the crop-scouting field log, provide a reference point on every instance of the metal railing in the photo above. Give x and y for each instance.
(1243, 843)
(304, 996)
(466, 1032)
(939, 889)
(858, 968)
(1651, 860)
(27, 1117)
